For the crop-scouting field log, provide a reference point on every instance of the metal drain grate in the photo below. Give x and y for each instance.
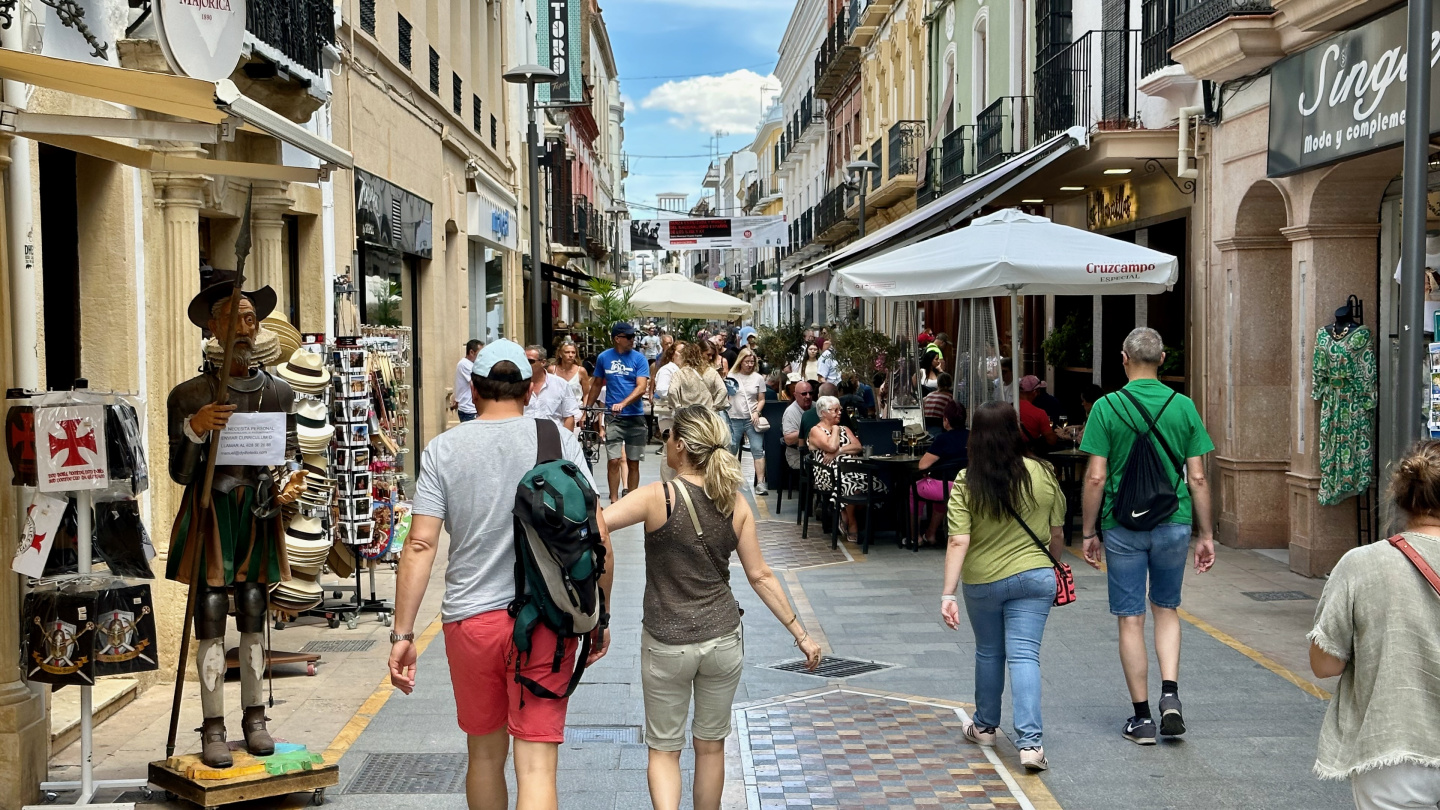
(337, 646)
(833, 667)
(411, 773)
(621, 735)
(1277, 596)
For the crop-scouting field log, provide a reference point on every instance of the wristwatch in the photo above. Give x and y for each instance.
(396, 637)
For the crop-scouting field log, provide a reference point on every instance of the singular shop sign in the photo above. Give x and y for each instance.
(201, 39)
(1344, 96)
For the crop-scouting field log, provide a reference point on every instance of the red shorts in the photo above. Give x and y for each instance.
(482, 654)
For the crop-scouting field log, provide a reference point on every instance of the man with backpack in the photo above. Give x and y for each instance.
(1144, 503)
(491, 483)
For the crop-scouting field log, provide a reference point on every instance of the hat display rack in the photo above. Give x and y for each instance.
(79, 484)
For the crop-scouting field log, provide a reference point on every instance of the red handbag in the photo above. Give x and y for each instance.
(1064, 577)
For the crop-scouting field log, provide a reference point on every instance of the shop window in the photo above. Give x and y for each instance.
(60, 265)
(405, 32)
(434, 72)
(367, 16)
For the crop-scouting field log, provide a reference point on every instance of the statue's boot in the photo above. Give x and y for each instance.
(213, 750)
(257, 738)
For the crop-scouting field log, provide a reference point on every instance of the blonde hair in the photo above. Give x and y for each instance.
(707, 444)
(1415, 484)
(740, 361)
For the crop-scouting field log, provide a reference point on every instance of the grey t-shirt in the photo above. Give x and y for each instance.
(468, 476)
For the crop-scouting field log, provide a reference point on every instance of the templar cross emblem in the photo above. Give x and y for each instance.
(22, 433)
(73, 442)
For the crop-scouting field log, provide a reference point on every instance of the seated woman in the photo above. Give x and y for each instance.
(830, 440)
(951, 451)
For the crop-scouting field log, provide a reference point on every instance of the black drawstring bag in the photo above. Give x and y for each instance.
(125, 631)
(125, 453)
(121, 540)
(59, 638)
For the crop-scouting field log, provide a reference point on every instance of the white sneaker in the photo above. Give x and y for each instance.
(1034, 759)
(974, 734)
(761, 490)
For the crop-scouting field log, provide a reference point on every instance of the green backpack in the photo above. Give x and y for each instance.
(559, 558)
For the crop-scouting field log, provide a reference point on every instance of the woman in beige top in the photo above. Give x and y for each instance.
(1375, 628)
(692, 642)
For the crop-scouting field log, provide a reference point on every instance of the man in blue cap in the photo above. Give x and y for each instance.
(625, 375)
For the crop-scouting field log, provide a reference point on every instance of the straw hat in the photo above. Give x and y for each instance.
(305, 371)
(287, 335)
(312, 426)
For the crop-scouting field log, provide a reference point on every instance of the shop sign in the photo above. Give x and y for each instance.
(707, 234)
(201, 39)
(560, 34)
(1344, 96)
(1111, 207)
(390, 216)
(490, 222)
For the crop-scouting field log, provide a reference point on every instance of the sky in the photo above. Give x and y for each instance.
(689, 68)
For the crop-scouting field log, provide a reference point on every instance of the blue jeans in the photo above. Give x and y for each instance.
(466, 417)
(738, 429)
(1130, 556)
(1008, 619)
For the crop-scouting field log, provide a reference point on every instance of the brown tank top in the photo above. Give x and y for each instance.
(687, 579)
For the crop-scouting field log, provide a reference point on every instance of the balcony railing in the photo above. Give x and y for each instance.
(1001, 131)
(905, 138)
(837, 56)
(1092, 84)
(298, 29)
(831, 210)
(956, 156)
(1157, 34)
(1194, 16)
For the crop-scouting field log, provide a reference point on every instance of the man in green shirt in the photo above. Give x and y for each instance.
(1160, 553)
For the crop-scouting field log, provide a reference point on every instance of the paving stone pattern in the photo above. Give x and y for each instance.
(784, 549)
(849, 749)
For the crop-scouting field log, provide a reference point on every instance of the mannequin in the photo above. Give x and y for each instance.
(1347, 317)
(1344, 379)
(240, 538)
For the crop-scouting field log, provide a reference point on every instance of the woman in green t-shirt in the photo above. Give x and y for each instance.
(1009, 580)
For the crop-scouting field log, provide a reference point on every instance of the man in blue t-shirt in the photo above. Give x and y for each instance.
(625, 375)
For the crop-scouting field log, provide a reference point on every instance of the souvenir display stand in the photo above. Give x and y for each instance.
(74, 468)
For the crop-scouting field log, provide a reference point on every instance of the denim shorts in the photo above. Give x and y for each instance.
(1131, 555)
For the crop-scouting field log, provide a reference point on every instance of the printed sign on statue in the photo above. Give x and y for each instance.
(70, 448)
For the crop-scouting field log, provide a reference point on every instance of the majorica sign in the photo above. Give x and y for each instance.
(1343, 97)
(202, 38)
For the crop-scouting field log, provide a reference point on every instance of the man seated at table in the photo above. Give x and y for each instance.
(850, 400)
(1034, 423)
(1046, 401)
(937, 401)
(803, 398)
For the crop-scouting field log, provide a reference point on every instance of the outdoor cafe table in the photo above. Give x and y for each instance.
(1070, 473)
(902, 471)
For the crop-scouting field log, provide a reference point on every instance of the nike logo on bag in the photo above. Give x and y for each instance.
(1138, 514)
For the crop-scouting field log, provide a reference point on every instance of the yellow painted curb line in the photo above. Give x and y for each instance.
(1237, 645)
(372, 705)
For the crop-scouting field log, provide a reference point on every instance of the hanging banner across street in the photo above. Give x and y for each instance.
(708, 234)
(559, 35)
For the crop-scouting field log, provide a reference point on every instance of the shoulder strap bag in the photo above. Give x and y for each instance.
(1416, 560)
(1064, 577)
(684, 491)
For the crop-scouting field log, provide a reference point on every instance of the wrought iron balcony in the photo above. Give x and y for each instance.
(1194, 16)
(836, 58)
(1092, 84)
(1157, 34)
(1002, 130)
(830, 220)
(299, 30)
(957, 157)
(904, 142)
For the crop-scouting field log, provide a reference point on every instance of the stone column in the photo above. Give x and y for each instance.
(1250, 414)
(173, 356)
(1330, 263)
(268, 263)
(24, 734)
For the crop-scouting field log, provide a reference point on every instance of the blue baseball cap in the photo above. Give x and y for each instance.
(498, 352)
(622, 328)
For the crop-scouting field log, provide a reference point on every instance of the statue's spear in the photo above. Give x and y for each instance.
(222, 396)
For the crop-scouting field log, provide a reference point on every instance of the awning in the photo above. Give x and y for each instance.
(217, 107)
(957, 206)
(565, 277)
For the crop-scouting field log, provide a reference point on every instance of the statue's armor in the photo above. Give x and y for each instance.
(260, 392)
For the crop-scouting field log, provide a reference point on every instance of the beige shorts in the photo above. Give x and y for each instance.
(670, 672)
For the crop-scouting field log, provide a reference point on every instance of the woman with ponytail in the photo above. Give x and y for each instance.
(692, 641)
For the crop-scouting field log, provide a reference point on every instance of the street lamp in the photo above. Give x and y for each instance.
(531, 75)
(615, 210)
(861, 169)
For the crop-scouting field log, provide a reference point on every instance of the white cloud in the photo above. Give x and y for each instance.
(731, 103)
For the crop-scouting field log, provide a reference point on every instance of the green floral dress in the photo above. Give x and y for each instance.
(1344, 378)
